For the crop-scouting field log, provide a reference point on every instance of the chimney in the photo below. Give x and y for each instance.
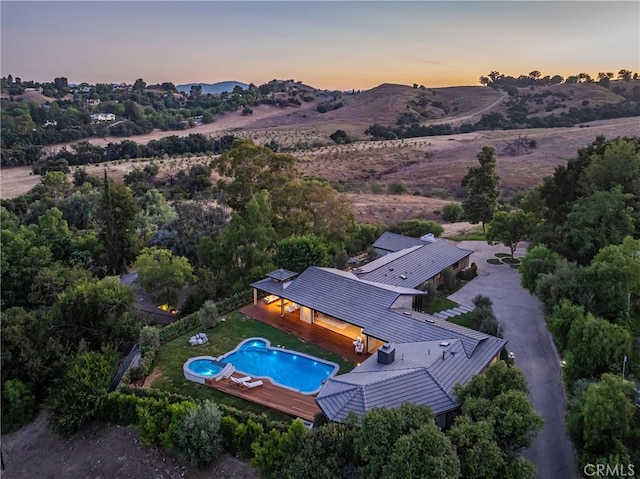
(386, 354)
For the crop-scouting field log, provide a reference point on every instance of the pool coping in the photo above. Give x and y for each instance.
(281, 348)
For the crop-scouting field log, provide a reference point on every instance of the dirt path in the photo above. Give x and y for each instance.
(101, 452)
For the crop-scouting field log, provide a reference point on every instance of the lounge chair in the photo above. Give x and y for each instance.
(359, 348)
(241, 381)
(253, 384)
(226, 372)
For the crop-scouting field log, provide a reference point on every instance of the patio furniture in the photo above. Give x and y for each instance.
(359, 347)
(241, 381)
(254, 384)
(226, 372)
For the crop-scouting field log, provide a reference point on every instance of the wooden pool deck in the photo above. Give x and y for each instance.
(271, 396)
(278, 398)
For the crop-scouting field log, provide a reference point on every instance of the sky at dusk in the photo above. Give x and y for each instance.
(329, 45)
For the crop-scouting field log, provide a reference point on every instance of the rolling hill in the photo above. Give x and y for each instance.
(213, 88)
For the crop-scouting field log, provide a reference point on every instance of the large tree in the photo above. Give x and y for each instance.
(116, 212)
(602, 417)
(509, 228)
(296, 253)
(481, 188)
(538, 260)
(613, 278)
(95, 312)
(162, 274)
(248, 168)
(595, 346)
(596, 221)
(424, 449)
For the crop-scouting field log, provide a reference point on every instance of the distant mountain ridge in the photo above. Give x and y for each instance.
(218, 87)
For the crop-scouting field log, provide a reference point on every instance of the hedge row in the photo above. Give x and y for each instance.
(178, 328)
(238, 414)
(233, 302)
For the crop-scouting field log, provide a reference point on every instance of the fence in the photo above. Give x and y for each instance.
(132, 358)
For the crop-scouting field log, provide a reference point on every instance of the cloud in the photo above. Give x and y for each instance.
(426, 61)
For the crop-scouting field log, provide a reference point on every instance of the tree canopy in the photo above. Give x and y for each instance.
(481, 188)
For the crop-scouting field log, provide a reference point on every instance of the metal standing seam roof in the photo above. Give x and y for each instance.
(365, 304)
(413, 266)
(389, 241)
(282, 274)
(418, 375)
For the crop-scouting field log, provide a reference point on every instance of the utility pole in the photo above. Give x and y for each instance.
(624, 363)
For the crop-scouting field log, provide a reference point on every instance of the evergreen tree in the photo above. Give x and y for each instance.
(116, 213)
(481, 188)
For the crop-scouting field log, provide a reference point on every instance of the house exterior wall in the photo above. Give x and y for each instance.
(306, 314)
(372, 344)
(404, 301)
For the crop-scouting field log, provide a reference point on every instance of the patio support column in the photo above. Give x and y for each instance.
(282, 307)
(255, 296)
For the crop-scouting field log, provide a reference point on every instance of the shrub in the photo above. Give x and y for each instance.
(490, 325)
(482, 314)
(417, 228)
(179, 327)
(245, 435)
(273, 453)
(196, 437)
(228, 427)
(396, 188)
(448, 279)
(81, 394)
(149, 339)
(18, 405)
(481, 301)
(154, 417)
(208, 315)
(452, 212)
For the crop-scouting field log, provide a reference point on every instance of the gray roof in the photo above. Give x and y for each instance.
(413, 266)
(419, 375)
(282, 274)
(394, 242)
(368, 305)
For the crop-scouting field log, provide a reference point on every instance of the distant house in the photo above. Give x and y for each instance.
(93, 101)
(50, 123)
(37, 89)
(103, 117)
(413, 262)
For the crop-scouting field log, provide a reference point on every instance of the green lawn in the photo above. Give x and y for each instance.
(464, 320)
(224, 338)
(476, 235)
(439, 303)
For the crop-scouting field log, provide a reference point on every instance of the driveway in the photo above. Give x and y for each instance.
(524, 328)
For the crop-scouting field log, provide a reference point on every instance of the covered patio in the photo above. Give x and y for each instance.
(309, 332)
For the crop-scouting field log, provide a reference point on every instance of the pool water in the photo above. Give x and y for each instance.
(204, 367)
(287, 368)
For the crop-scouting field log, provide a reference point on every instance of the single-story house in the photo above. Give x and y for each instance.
(417, 265)
(384, 317)
(103, 117)
(423, 373)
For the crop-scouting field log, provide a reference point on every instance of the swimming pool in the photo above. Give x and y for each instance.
(290, 369)
(202, 367)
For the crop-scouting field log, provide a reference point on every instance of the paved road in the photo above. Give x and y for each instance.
(527, 336)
